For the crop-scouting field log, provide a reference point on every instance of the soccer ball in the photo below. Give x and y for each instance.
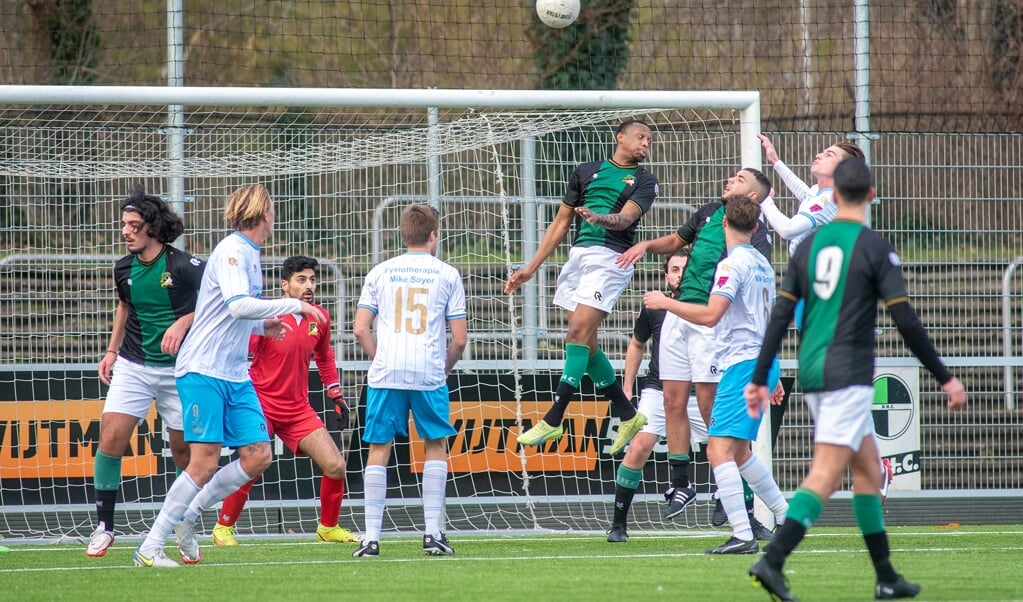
(557, 13)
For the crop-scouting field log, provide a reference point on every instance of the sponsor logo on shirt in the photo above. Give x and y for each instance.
(721, 281)
(815, 208)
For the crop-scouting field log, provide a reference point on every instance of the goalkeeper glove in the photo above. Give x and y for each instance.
(344, 415)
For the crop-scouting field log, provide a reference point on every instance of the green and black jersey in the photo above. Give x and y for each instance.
(605, 187)
(704, 229)
(852, 267)
(156, 294)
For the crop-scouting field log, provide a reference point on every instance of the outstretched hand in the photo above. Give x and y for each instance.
(517, 279)
(631, 256)
(770, 152)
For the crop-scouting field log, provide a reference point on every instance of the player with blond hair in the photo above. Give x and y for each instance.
(219, 402)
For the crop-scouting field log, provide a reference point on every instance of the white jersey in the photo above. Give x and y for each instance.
(820, 208)
(413, 297)
(218, 343)
(816, 208)
(746, 278)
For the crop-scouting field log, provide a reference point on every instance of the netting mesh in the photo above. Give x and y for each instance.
(942, 65)
(339, 180)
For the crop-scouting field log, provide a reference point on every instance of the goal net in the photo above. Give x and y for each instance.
(341, 164)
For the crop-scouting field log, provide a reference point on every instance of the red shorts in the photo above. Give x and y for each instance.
(292, 423)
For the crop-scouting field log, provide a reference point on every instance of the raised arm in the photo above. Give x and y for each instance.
(556, 232)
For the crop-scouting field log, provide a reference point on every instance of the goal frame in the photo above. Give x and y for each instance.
(176, 99)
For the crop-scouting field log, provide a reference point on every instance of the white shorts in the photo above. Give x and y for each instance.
(842, 417)
(591, 277)
(133, 387)
(651, 403)
(688, 352)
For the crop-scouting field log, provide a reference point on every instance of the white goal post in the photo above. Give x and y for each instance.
(340, 163)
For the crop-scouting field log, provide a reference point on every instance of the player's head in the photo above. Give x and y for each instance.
(420, 227)
(825, 162)
(674, 266)
(741, 214)
(298, 277)
(854, 184)
(147, 221)
(250, 208)
(632, 138)
(747, 182)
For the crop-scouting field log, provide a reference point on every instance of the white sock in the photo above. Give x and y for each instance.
(225, 481)
(764, 486)
(732, 500)
(435, 480)
(375, 493)
(181, 493)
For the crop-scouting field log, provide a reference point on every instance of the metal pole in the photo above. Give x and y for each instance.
(433, 162)
(530, 212)
(176, 113)
(861, 66)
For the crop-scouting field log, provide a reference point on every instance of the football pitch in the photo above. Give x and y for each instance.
(951, 562)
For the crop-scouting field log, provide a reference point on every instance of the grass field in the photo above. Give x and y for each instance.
(952, 563)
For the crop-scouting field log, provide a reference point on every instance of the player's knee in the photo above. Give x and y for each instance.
(256, 459)
(334, 469)
(181, 456)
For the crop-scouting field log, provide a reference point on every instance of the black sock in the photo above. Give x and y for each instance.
(105, 501)
(623, 500)
(563, 396)
(679, 472)
(877, 545)
(621, 404)
(785, 539)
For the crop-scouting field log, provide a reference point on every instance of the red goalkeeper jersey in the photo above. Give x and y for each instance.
(280, 369)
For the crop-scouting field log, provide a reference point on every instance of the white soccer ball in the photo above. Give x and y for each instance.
(557, 13)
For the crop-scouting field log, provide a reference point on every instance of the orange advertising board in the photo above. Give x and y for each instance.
(485, 441)
(59, 439)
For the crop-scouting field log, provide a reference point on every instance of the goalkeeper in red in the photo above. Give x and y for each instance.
(842, 271)
(280, 373)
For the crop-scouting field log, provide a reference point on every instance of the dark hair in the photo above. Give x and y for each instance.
(683, 253)
(416, 224)
(763, 186)
(298, 263)
(851, 150)
(629, 123)
(742, 213)
(853, 180)
(162, 224)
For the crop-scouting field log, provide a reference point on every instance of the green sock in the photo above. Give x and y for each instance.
(869, 516)
(601, 372)
(805, 507)
(629, 478)
(106, 474)
(576, 358)
(747, 495)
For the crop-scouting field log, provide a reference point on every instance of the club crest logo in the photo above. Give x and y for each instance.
(165, 280)
(629, 180)
(233, 261)
(314, 329)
